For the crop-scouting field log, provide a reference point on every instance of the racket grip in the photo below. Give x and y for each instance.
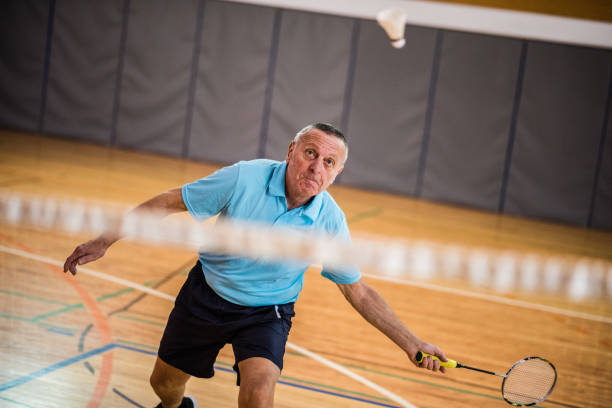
(421, 355)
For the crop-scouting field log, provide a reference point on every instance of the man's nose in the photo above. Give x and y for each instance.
(316, 166)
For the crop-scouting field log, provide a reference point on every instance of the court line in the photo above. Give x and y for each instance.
(162, 295)
(354, 366)
(60, 332)
(53, 367)
(136, 319)
(374, 212)
(84, 356)
(312, 383)
(87, 271)
(227, 370)
(101, 322)
(422, 285)
(67, 307)
(494, 298)
(30, 297)
(128, 399)
(16, 402)
(56, 312)
(305, 387)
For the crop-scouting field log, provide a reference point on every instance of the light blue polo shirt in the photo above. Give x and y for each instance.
(255, 191)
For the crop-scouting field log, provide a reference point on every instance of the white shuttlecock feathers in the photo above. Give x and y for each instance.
(393, 21)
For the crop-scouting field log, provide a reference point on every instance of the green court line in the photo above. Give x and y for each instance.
(8, 316)
(29, 320)
(223, 363)
(68, 307)
(136, 319)
(55, 326)
(133, 343)
(330, 387)
(365, 214)
(39, 299)
(56, 312)
(121, 292)
(114, 294)
(402, 377)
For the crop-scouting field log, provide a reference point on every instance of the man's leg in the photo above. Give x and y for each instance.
(168, 383)
(258, 378)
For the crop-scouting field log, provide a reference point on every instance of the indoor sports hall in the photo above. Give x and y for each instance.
(478, 192)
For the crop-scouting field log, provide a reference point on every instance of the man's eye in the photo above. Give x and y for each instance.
(310, 152)
(330, 162)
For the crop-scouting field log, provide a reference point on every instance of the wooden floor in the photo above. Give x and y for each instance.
(85, 342)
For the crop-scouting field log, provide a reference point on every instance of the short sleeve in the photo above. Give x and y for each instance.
(207, 196)
(347, 274)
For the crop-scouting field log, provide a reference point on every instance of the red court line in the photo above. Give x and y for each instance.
(100, 321)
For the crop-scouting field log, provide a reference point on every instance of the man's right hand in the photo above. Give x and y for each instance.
(84, 253)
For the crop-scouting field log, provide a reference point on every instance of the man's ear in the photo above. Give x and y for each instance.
(290, 150)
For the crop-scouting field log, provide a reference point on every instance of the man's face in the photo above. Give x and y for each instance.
(312, 164)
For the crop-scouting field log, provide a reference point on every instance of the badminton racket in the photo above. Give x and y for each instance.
(528, 382)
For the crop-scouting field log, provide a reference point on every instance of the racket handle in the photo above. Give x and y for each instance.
(450, 363)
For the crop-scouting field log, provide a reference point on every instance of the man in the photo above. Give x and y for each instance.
(248, 302)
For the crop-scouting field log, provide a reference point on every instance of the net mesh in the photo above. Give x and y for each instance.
(502, 271)
(529, 381)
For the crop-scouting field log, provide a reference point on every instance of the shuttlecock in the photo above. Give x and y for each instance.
(393, 21)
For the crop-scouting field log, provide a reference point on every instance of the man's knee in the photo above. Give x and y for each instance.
(258, 378)
(257, 394)
(165, 378)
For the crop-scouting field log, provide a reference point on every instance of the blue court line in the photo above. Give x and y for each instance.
(229, 370)
(335, 394)
(52, 330)
(128, 399)
(54, 367)
(108, 347)
(16, 402)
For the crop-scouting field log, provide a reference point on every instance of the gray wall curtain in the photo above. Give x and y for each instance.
(505, 125)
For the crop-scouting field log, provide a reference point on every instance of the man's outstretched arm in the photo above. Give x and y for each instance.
(371, 305)
(165, 203)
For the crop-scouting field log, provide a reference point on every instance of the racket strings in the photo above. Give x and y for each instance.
(529, 381)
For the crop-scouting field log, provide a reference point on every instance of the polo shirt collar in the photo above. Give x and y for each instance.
(276, 187)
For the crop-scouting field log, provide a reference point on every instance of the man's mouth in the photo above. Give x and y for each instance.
(311, 181)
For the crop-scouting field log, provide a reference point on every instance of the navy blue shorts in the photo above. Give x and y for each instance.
(202, 322)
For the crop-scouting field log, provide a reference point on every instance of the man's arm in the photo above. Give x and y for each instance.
(368, 302)
(165, 203)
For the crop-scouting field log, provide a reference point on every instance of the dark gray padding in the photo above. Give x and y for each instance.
(602, 214)
(157, 68)
(23, 33)
(558, 132)
(224, 81)
(83, 67)
(471, 119)
(387, 109)
(310, 77)
(231, 82)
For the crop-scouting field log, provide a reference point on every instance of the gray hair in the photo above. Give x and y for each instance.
(328, 129)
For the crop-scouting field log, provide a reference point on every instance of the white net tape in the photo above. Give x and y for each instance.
(504, 271)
